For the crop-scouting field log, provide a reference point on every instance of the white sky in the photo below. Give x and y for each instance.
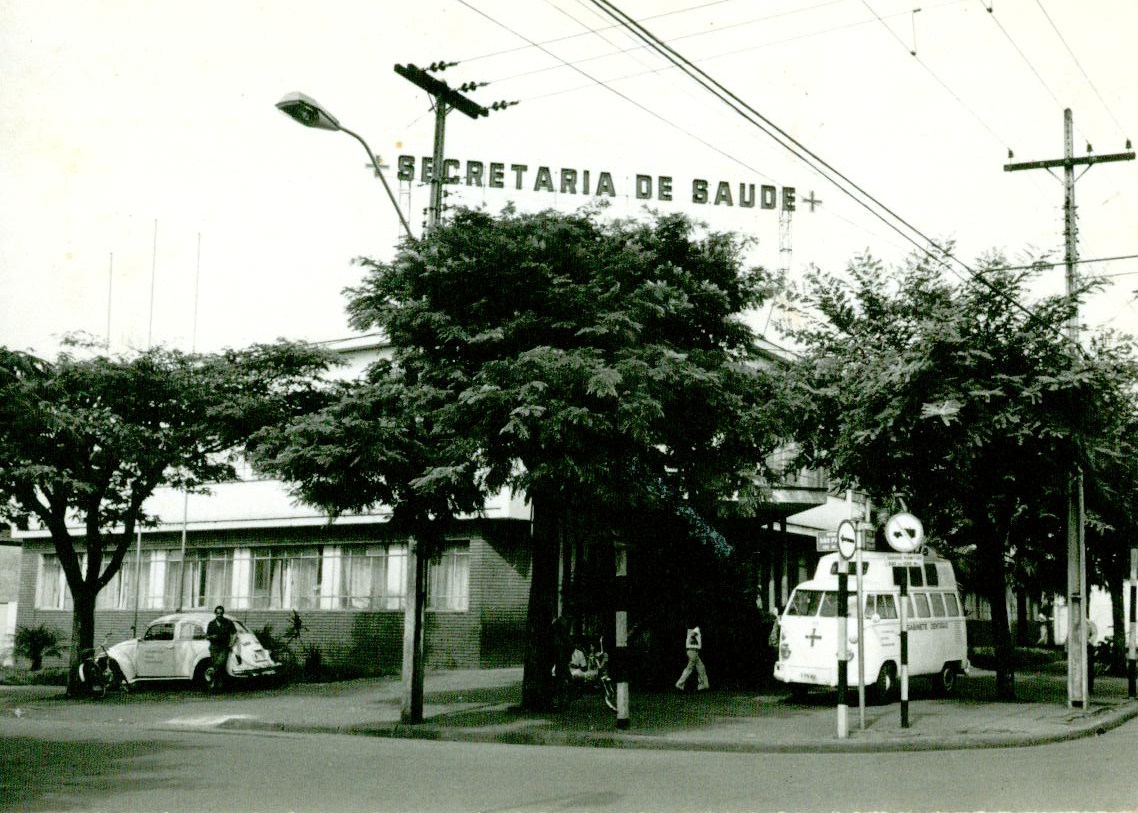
(122, 119)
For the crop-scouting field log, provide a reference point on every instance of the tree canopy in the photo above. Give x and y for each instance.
(594, 365)
(87, 438)
(968, 400)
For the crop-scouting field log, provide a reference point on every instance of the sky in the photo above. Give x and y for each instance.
(153, 194)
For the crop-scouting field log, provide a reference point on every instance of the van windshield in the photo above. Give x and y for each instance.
(804, 602)
(819, 602)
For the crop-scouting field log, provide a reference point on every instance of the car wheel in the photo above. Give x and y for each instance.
(946, 680)
(885, 687)
(203, 675)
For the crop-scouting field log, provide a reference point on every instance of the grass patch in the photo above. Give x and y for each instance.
(53, 676)
(1023, 658)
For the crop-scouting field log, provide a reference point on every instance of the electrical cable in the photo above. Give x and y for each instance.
(1080, 66)
(732, 101)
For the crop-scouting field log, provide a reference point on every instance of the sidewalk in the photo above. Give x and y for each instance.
(481, 706)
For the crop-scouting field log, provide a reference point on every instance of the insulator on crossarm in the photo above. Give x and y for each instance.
(442, 65)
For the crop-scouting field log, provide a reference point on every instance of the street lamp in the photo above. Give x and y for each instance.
(308, 112)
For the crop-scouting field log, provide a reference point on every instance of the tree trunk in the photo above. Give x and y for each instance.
(1116, 584)
(995, 579)
(537, 678)
(82, 633)
(1024, 628)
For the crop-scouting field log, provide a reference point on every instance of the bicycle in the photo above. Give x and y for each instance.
(96, 671)
(589, 671)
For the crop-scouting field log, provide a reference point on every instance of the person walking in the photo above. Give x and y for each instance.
(219, 632)
(693, 644)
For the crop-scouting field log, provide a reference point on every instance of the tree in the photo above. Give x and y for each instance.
(962, 398)
(86, 439)
(595, 366)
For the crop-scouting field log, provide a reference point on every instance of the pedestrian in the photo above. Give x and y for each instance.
(693, 644)
(1041, 619)
(219, 632)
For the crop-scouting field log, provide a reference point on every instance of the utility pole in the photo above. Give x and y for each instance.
(445, 99)
(1078, 594)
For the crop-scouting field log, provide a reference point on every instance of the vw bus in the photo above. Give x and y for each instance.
(938, 641)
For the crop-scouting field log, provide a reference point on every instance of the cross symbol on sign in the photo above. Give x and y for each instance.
(813, 201)
(812, 637)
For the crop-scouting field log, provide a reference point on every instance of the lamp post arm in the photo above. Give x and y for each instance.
(379, 172)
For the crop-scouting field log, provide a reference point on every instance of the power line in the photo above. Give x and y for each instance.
(1019, 50)
(616, 92)
(732, 101)
(939, 81)
(1080, 66)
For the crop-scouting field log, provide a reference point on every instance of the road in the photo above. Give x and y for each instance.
(52, 766)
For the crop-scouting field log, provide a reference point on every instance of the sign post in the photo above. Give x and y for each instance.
(905, 534)
(1131, 659)
(847, 547)
(864, 529)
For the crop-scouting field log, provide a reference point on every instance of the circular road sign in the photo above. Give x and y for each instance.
(904, 533)
(847, 539)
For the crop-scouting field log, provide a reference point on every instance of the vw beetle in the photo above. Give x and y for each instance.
(174, 647)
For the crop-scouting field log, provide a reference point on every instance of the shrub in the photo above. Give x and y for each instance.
(34, 643)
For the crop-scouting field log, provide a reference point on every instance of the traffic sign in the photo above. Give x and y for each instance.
(847, 539)
(904, 559)
(904, 532)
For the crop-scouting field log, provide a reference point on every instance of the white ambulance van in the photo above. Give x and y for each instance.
(938, 642)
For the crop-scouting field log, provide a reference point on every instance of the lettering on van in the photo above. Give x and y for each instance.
(927, 625)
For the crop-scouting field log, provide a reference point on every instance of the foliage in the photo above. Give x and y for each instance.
(86, 439)
(34, 643)
(594, 366)
(51, 676)
(964, 400)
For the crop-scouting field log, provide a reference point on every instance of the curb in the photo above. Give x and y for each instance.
(1099, 724)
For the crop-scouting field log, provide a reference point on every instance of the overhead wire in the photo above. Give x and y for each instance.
(815, 162)
(1063, 39)
(618, 93)
(935, 76)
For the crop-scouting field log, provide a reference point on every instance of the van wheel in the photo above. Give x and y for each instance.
(946, 680)
(885, 687)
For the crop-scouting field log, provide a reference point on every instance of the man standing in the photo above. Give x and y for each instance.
(220, 632)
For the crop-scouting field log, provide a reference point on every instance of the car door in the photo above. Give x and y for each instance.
(155, 657)
(190, 646)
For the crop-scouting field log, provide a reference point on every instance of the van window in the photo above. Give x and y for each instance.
(916, 578)
(804, 602)
(829, 608)
(952, 607)
(936, 601)
(886, 607)
(931, 575)
(851, 569)
(921, 602)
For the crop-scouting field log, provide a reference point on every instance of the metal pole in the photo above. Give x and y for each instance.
(620, 644)
(843, 650)
(904, 648)
(1132, 659)
(383, 179)
(860, 634)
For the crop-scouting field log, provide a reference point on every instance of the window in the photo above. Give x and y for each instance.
(52, 592)
(886, 607)
(285, 578)
(804, 602)
(373, 577)
(851, 569)
(448, 579)
(916, 577)
(952, 607)
(936, 601)
(208, 578)
(921, 602)
(159, 632)
(931, 575)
